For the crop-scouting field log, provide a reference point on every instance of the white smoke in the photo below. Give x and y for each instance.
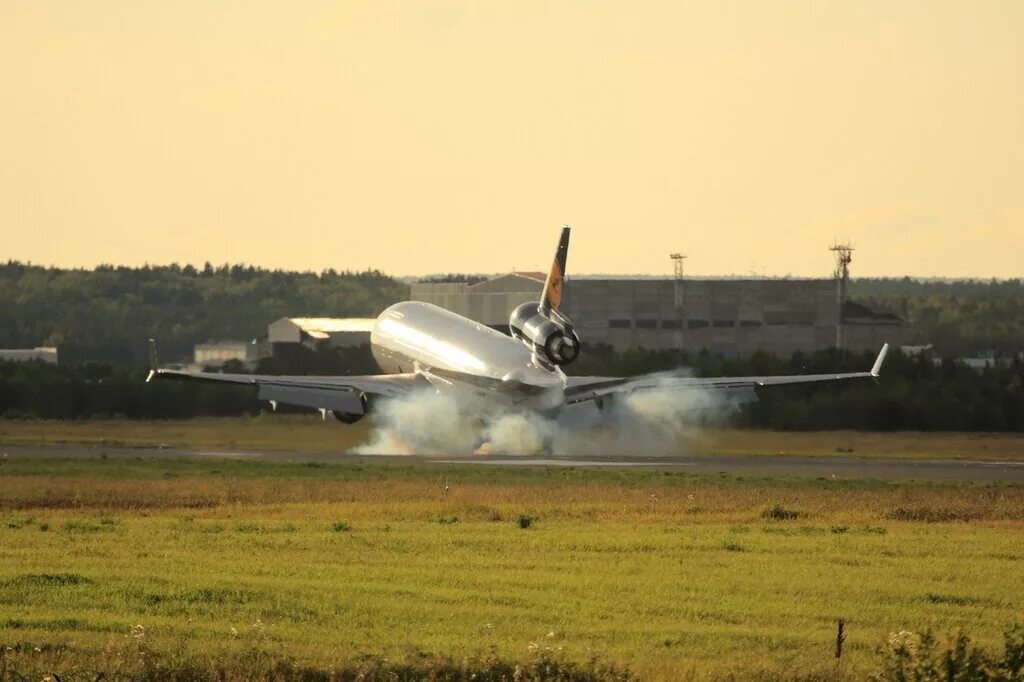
(422, 422)
(654, 422)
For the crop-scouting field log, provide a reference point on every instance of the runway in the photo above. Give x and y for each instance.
(838, 466)
(802, 466)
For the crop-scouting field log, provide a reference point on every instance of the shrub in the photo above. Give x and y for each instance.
(84, 526)
(525, 521)
(908, 656)
(955, 600)
(779, 513)
(133, 658)
(934, 514)
(47, 580)
(341, 527)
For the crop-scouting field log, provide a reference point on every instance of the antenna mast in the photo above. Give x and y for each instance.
(678, 261)
(844, 256)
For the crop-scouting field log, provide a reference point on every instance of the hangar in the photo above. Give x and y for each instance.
(45, 353)
(728, 316)
(320, 332)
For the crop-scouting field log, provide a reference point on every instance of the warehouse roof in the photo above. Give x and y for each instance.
(323, 327)
(855, 312)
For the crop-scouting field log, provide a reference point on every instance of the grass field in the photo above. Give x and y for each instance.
(310, 434)
(248, 565)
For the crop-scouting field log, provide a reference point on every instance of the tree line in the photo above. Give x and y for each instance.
(958, 317)
(107, 313)
(913, 393)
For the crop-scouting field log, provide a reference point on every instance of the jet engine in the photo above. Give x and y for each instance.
(346, 417)
(352, 417)
(551, 338)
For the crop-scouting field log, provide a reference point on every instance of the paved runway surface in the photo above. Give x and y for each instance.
(761, 465)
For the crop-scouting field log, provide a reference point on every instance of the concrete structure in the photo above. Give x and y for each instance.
(45, 353)
(216, 354)
(864, 328)
(320, 332)
(726, 316)
(490, 302)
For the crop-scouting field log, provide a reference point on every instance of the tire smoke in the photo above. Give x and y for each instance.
(654, 422)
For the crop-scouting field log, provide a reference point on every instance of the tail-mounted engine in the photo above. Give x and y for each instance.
(550, 336)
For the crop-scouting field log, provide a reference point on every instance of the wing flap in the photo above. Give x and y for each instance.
(340, 393)
(344, 400)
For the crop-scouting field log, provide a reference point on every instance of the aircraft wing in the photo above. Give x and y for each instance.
(726, 389)
(340, 394)
(335, 393)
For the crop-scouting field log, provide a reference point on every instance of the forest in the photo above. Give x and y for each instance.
(105, 314)
(100, 319)
(914, 393)
(958, 317)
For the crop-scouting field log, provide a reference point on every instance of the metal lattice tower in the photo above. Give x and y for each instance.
(678, 261)
(844, 256)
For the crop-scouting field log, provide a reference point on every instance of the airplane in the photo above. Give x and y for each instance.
(422, 346)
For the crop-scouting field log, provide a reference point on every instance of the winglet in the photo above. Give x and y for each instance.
(877, 367)
(153, 363)
(552, 296)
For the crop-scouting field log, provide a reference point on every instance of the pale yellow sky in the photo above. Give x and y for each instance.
(458, 136)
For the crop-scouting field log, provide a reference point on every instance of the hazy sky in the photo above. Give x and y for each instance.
(436, 136)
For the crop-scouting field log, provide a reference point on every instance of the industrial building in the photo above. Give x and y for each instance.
(44, 353)
(285, 335)
(218, 353)
(490, 302)
(321, 332)
(728, 316)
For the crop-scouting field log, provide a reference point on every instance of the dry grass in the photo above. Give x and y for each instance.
(659, 497)
(266, 432)
(259, 565)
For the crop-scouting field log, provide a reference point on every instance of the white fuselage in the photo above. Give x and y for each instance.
(453, 352)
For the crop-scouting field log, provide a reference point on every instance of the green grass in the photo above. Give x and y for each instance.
(670, 576)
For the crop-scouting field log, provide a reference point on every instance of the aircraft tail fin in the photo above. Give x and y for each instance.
(551, 298)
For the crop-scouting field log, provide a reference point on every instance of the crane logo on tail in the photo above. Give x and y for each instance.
(552, 296)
